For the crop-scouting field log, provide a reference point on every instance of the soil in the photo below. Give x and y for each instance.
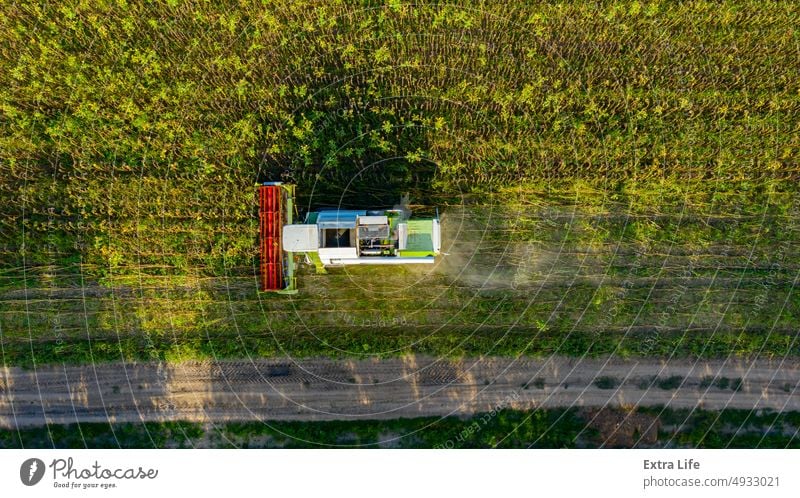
(412, 386)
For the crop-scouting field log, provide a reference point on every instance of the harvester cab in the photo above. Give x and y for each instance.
(337, 237)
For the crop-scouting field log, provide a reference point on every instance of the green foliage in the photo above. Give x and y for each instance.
(729, 428)
(503, 428)
(100, 435)
(606, 383)
(554, 428)
(672, 382)
(131, 135)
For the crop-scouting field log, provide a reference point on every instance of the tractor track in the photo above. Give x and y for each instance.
(412, 386)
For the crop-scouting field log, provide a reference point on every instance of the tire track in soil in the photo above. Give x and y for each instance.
(327, 389)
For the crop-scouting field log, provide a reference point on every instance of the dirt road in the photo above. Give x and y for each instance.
(325, 389)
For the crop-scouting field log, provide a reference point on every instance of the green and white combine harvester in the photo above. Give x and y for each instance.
(337, 237)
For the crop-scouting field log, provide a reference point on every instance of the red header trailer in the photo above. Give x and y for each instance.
(275, 208)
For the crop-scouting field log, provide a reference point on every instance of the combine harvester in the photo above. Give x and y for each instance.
(337, 237)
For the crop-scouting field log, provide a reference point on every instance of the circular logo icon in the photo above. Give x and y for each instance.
(31, 471)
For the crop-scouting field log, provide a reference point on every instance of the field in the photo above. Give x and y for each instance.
(614, 178)
(532, 275)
